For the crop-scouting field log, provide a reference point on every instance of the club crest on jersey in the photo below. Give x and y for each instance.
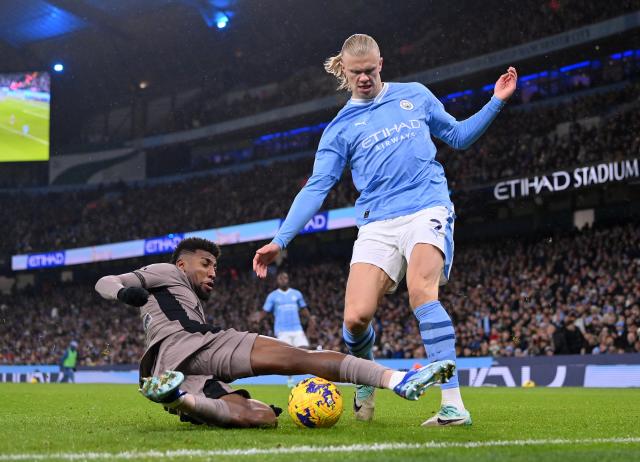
(406, 104)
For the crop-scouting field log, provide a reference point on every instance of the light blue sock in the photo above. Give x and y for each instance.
(438, 335)
(360, 345)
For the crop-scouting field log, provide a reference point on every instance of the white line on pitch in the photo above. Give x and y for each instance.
(375, 447)
(18, 132)
(35, 114)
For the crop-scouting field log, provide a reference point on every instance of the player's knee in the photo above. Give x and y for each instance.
(420, 295)
(356, 322)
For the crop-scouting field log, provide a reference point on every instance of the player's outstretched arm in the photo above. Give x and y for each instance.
(265, 255)
(125, 287)
(506, 84)
(305, 205)
(331, 159)
(462, 134)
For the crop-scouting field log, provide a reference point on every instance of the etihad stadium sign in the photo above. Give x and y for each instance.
(563, 180)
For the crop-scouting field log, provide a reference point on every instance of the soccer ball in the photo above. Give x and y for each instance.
(315, 403)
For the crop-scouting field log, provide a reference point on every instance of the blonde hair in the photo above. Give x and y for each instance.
(356, 45)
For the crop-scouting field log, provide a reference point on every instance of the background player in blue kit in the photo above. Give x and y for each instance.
(286, 304)
(404, 212)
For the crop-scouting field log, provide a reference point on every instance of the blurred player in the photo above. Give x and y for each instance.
(187, 362)
(404, 211)
(286, 304)
(69, 362)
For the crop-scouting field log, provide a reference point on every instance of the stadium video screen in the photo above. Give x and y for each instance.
(24, 116)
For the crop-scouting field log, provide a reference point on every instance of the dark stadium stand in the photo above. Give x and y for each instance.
(522, 141)
(551, 290)
(571, 293)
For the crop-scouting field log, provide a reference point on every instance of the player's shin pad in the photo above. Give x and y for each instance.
(361, 372)
(360, 345)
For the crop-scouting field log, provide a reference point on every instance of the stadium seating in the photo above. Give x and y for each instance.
(523, 141)
(414, 50)
(576, 292)
(572, 293)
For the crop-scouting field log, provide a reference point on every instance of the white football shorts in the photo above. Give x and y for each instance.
(388, 244)
(295, 338)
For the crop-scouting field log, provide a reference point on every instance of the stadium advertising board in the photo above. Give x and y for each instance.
(611, 371)
(247, 232)
(563, 180)
(45, 260)
(24, 116)
(318, 222)
(163, 244)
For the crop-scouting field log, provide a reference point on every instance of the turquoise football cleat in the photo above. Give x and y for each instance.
(416, 382)
(449, 416)
(163, 389)
(364, 402)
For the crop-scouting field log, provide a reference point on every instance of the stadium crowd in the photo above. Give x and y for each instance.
(520, 142)
(573, 293)
(416, 48)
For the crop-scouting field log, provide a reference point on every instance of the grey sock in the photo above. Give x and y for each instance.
(361, 371)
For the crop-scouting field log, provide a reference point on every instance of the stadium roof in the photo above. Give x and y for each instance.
(109, 46)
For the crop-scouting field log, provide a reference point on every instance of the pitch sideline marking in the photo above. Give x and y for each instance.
(35, 114)
(18, 132)
(376, 447)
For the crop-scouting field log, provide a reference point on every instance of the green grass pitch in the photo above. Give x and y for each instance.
(16, 146)
(113, 422)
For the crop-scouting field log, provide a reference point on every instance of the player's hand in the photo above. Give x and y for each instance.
(506, 84)
(134, 296)
(264, 257)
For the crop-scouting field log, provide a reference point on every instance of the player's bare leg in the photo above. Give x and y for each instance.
(231, 410)
(436, 328)
(228, 411)
(271, 356)
(366, 286)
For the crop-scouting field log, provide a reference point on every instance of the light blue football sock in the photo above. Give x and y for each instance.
(360, 345)
(438, 335)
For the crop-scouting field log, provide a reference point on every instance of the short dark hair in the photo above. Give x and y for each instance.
(192, 244)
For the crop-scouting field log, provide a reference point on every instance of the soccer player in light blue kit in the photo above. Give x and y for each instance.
(285, 303)
(404, 212)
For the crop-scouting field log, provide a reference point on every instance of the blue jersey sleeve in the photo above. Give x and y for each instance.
(268, 303)
(330, 161)
(460, 134)
(301, 302)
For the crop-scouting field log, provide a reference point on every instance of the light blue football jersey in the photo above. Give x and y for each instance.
(285, 306)
(387, 144)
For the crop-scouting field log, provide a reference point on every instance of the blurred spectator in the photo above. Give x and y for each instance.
(578, 293)
(524, 142)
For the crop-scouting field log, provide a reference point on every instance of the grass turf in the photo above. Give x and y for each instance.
(14, 145)
(52, 418)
